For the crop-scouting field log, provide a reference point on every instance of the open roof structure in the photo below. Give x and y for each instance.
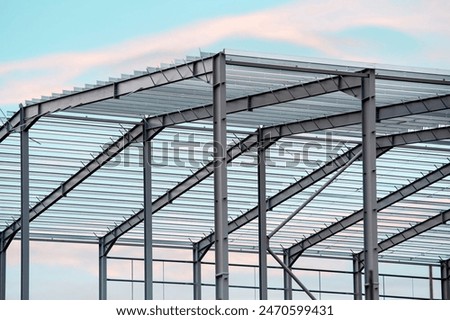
(237, 152)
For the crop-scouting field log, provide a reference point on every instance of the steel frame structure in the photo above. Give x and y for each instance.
(379, 111)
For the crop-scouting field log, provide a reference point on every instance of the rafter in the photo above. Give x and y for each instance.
(411, 232)
(109, 91)
(296, 250)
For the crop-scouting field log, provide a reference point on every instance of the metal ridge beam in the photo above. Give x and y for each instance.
(296, 250)
(360, 73)
(109, 91)
(383, 145)
(293, 68)
(411, 232)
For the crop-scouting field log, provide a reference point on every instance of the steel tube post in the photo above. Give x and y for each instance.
(2, 269)
(445, 279)
(369, 117)
(197, 268)
(25, 208)
(287, 280)
(102, 274)
(148, 216)
(220, 177)
(430, 276)
(262, 219)
(357, 277)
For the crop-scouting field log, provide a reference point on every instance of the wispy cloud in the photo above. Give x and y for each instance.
(313, 24)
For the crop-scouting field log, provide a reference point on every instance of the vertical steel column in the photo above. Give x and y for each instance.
(25, 208)
(197, 268)
(262, 219)
(445, 279)
(102, 274)
(220, 177)
(287, 280)
(369, 117)
(357, 277)
(430, 277)
(2, 269)
(148, 216)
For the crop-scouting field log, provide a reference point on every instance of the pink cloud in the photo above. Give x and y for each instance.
(314, 24)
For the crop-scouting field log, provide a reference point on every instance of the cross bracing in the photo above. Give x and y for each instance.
(85, 161)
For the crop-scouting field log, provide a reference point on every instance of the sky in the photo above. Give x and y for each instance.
(48, 46)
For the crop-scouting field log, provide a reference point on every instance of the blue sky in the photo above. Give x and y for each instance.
(48, 46)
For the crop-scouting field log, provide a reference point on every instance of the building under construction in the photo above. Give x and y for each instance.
(313, 179)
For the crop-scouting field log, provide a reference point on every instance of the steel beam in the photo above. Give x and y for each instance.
(369, 118)
(404, 78)
(357, 277)
(315, 194)
(114, 90)
(262, 219)
(2, 269)
(287, 279)
(220, 177)
(383, 144)
(430, 281)
(411, 232)
(197, 273)
(296, 250)
(103, 271)
(148, 216)
(445, 279)
(25, 209)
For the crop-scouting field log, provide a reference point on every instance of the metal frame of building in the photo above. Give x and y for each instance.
(382, 196)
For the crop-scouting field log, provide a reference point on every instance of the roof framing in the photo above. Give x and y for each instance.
(328, 80)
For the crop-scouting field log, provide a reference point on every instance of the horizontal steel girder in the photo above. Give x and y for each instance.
(157, 123)
(110, 91)
(411, 232)
(296, 250)
(383, 145)
(360, 74)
